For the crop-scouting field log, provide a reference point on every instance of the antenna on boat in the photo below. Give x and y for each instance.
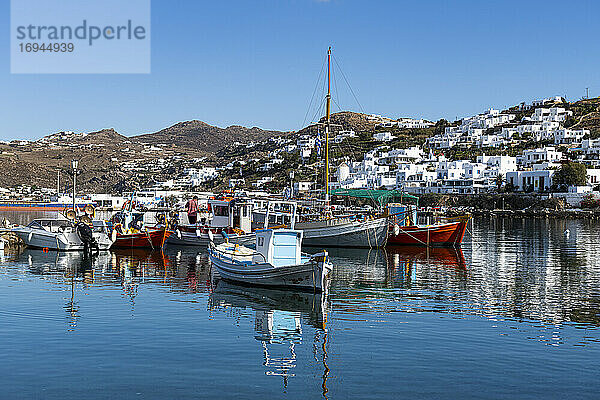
(327, 122)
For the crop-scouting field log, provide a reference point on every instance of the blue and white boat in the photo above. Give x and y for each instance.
(276, 262)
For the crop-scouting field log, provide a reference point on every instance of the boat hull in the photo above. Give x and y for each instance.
(444, 235)
(309, 276)
(64, 241)
(151, 239)
(371, 233)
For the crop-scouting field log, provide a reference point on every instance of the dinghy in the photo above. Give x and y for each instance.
(276, 262)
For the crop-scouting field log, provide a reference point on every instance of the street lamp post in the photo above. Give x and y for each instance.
(74, 164)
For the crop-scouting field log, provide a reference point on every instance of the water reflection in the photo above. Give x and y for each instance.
(516, 286)
(279, 316)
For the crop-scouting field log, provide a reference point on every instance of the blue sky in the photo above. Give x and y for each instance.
(255, 63)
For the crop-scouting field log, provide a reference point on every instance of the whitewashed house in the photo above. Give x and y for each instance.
(569, 136)
(383, 136)
(546, 154)
(343, 135)
(536, 180)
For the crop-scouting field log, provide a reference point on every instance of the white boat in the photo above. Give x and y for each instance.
(63, 234)
(276, 262)
(345, 232)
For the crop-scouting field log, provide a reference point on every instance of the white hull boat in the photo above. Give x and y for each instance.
(345, 232)
(57, 234)
(276, 262)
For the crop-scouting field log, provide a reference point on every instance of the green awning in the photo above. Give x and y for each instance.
(380, 196)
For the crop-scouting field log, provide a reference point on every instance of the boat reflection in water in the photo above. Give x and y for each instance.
(395, 266)
(71, 268)
(279, 316)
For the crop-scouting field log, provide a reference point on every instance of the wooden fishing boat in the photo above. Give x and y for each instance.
(149, 239)
(345, 232)
(448, 234)
(276, 262)
(230, 219)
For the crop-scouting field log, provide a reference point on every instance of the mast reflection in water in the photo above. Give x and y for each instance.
(515, 313)
(278, 320)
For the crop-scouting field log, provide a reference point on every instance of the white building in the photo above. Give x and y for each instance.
(536, 180)
(383, 136)
(197, 176)
(262, 181)
(569, 136)
(547, 100)
(498, 165)
(306, 144)
(342, 135)
(546, 154)
(409, 123)
(397, 156)
(555, 114)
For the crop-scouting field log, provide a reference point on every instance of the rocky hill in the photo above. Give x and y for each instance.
(112, 162)
(202, 136)
(345, 120)
(586, 115)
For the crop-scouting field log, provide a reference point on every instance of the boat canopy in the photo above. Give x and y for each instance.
(382, 197)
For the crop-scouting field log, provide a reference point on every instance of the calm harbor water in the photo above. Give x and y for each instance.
(515, 314)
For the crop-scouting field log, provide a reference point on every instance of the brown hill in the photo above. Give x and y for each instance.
(345, 120)
(104, 136)
(586, 115)
(204, 137)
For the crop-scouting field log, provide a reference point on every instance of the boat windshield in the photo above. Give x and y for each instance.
(98, 226)
(52, 225)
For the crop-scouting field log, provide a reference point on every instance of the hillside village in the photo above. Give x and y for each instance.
(520, 149)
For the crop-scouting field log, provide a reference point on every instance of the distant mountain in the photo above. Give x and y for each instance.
(202, 136)
(104, 136)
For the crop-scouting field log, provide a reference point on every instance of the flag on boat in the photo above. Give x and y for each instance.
(318, 144)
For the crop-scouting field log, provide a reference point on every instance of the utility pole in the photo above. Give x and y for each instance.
(587, 92)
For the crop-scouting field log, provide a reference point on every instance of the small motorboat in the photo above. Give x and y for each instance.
(64, 234)
(276, 262)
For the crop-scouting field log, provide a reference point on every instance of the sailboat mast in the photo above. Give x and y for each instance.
(327, 122)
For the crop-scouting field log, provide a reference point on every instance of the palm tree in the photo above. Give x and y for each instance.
(499, 181)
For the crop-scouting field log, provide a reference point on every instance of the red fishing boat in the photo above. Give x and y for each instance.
(449, 234)
(150, 238)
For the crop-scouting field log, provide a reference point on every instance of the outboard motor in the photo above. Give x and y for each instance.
(85, 234)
